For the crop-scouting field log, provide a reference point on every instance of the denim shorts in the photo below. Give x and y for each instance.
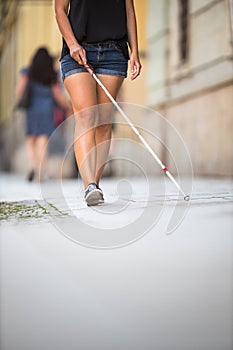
(105, 58)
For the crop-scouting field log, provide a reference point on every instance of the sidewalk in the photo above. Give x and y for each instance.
(159, 289)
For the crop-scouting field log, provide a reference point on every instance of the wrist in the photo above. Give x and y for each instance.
(134, 51)
(73, 44)
(135, 54)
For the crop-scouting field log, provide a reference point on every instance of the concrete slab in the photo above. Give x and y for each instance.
(163, 291)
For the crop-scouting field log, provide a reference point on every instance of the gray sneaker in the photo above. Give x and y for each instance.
(93, 195)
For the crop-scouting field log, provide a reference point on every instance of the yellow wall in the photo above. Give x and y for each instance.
(7, 79)
(136, 91)
(36, 26)
(141, 14)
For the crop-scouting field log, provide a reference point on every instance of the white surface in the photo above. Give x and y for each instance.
(163, 292)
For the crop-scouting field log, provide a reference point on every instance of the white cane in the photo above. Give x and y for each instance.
(165, 170)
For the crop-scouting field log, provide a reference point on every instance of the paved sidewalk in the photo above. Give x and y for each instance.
(168, 285)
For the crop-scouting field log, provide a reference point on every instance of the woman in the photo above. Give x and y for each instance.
(44, 91)
(95, 33)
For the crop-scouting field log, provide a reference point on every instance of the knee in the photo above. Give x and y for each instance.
(85, 119)
(104, 129)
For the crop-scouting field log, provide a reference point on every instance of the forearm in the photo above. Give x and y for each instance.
(76, 50)
(61, 10)
(131, 27)
(60, 97)
(21, 85)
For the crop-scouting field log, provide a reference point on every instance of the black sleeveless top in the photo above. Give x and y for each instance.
(94, 21)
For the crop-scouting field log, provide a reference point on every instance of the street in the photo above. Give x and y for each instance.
(142, 271)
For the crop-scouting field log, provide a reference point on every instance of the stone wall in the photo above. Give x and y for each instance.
(196, 96)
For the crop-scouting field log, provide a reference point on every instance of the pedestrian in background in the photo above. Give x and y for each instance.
(45, 91)
(95, 32)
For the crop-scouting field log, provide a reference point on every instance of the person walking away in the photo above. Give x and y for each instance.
(44, 91)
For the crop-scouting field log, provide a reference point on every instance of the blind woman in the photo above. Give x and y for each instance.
(96, 34)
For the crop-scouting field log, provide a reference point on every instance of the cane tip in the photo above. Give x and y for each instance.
(187, 198)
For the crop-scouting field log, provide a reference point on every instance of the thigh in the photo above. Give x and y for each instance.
(82, 90)
(112, 84)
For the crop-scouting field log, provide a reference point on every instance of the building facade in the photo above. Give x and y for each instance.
(26, 25)
(187, 77)
(190, 53)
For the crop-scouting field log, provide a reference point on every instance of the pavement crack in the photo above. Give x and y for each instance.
(27, 210)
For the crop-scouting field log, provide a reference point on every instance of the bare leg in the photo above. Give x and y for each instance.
(91, 129)
(41, 154)
(104, 128)
(82, 90)
(31, 151)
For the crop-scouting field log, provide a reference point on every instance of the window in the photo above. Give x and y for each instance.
(183, 30)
